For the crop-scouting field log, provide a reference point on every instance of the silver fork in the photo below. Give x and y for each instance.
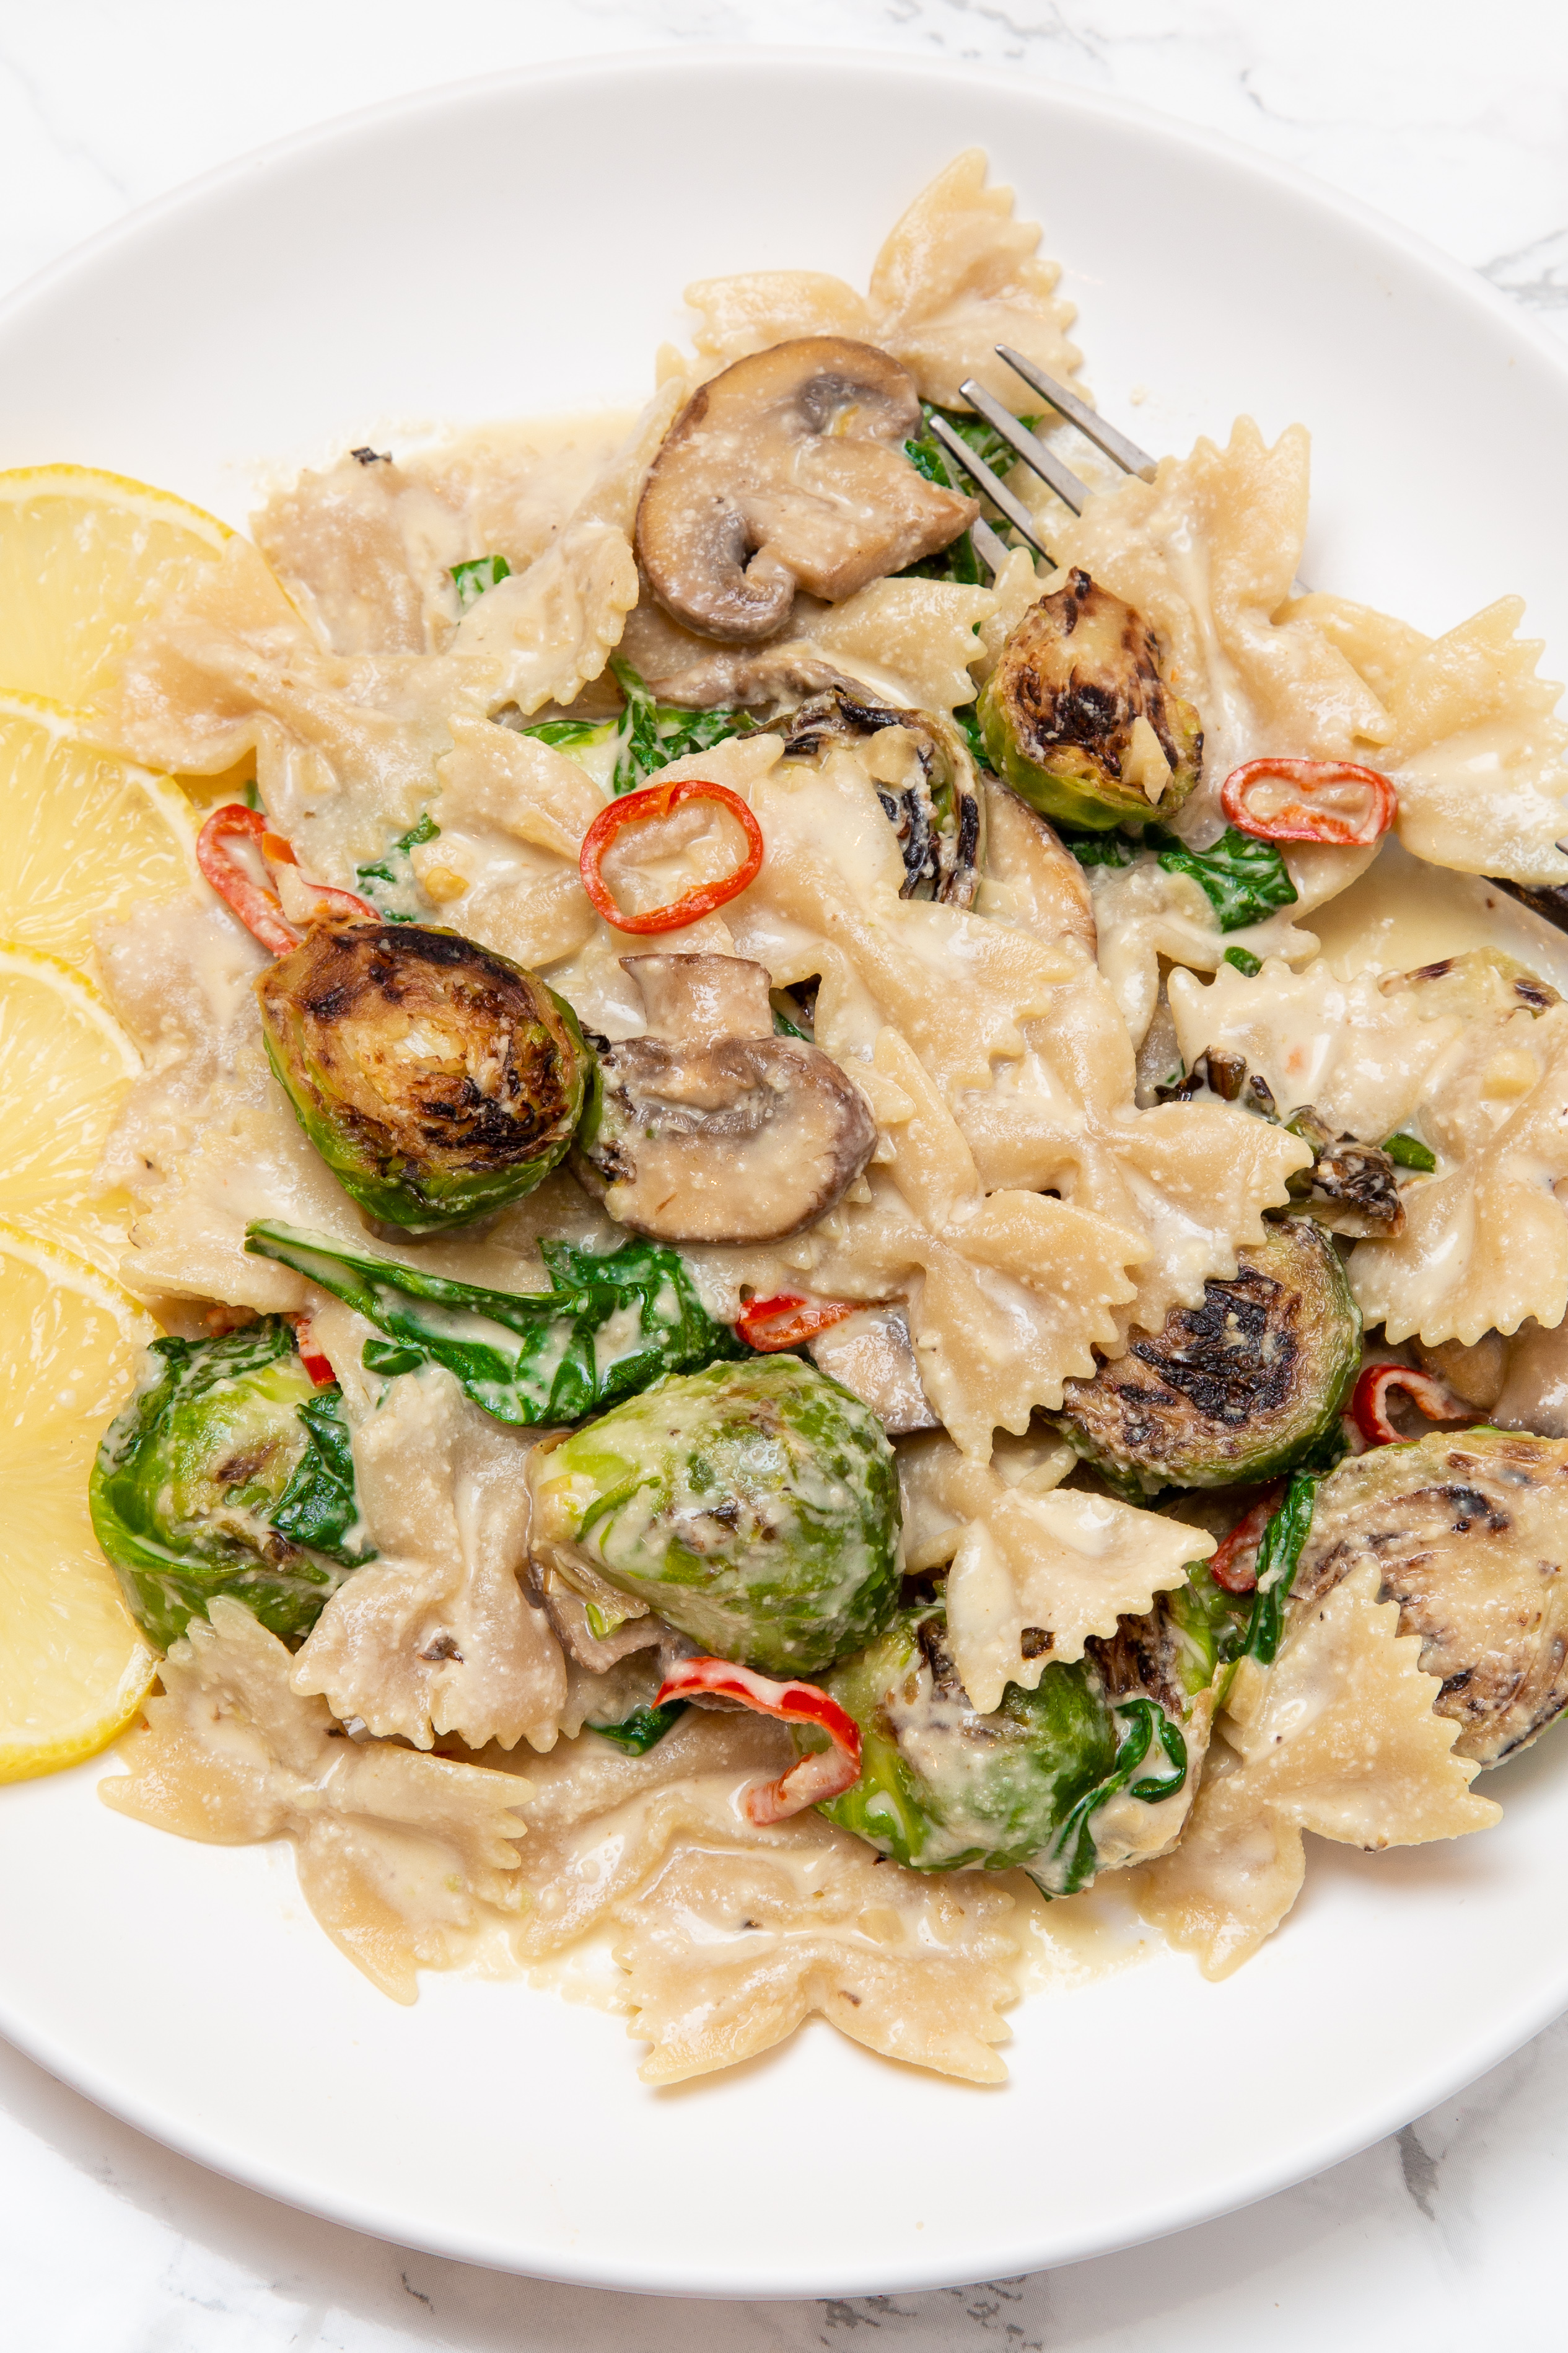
(1072, 492)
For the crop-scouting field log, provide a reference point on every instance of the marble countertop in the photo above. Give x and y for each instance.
(1455, 122)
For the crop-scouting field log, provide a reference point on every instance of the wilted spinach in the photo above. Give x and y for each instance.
(609, 1324)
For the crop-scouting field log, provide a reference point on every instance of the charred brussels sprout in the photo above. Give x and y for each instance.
(926, 780)
(1468, 1533)
(228, 1471)
(942, 1787)
(1234, 1391)
(753, 1506)
(1078, 719)
(437, 1080)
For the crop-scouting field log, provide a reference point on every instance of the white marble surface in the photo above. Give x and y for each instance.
(1455, 121)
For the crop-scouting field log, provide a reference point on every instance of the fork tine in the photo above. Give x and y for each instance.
(988, 545)
(996, 489)
(1115, 446)
(1034, 454)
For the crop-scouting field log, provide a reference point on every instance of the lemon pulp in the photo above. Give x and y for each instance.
(73, 1668)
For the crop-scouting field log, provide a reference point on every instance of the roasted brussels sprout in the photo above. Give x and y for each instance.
(228, 1471)
(1078, 719)
(942, 1787)
(437, 1080)
(1470, 1535)
(1235, 1390)
(755, 1506)
(925, 781)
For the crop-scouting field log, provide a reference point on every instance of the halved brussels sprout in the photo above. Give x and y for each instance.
(1235, 1390)
(755, 1506)
(1468, 1533)
(1078, 719)
(437, 1080)
(942, 1787)
(926, 780)
(228, 1471)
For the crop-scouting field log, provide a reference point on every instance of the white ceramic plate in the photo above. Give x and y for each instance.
(521, 248)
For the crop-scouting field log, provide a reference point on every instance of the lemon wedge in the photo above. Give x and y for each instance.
(85, 558)
(65, 1065)
(73, 1668)
(86, 834)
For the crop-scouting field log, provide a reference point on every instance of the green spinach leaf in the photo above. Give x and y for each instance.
(643, 1729)
(471, 580)
(389, 883)
(318, 1507)
(651, 734)
(609, 1324)
(1242, 878)
(1408, 1152)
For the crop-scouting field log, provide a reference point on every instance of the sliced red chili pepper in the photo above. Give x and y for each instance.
(826, 1773)
(1369, 1412)
(278, 852)
(1234, 1567)
(1322, 800)
(258, 909)
(788, 1319)
(316, 1364)
(659, 800)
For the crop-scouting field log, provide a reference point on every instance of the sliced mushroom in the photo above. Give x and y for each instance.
(871, 1354)
(788, 472)
(926, 780)
(710, 1129)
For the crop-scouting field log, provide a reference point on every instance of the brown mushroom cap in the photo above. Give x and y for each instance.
(787, 471)
(713, 1130)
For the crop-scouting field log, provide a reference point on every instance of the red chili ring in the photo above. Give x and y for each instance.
(1300, 821)
(826, 1773)
(659, 800)
(1229, 1571)
(1436, 1400)
(260, 910)
(792, 1328)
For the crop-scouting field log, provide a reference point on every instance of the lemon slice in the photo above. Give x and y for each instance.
(84, 559)
(86, 834)
(65, 1065)
(73, 1668)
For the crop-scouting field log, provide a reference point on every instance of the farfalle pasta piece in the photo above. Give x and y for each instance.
(1031, 1559)
(658, 1843)
(1145, 915)
(1014, 1288)
(1478, 754)
(1365, 1055)
(1197, 1178)
(437, 1636)
(1338, 1737)
(726, 1954)
(400, 1856)
(956, 276)
(1485, 1243)
(549, 631)
(365, 552)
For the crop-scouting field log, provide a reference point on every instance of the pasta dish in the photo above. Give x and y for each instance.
(766, 1245)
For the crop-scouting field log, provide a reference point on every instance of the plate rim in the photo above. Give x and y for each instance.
(1481, 2051)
